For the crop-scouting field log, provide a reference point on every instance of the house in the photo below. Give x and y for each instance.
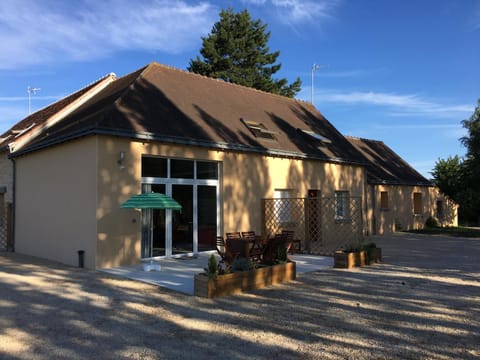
(235, 158)
(24, 131)
(397, 196)
(219, 149)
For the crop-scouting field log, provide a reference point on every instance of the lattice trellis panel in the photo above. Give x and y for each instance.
(5, 224)
(316, 222)
(3, 233)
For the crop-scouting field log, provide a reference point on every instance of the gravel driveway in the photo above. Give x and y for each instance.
(423, 302)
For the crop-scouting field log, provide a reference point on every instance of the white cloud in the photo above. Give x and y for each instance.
(398, 105)
(25, 98)
(298, 11)
(35, 32)
(12, 112)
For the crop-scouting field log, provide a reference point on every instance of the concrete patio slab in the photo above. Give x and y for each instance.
(177, 273)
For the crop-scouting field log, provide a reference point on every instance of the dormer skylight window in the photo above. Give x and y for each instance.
(316, 136)
(259, 130)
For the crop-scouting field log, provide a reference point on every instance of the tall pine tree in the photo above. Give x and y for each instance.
(236, 51)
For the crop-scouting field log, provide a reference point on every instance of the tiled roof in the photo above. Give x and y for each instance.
(385, 166)
(41, 116)
(170, 105)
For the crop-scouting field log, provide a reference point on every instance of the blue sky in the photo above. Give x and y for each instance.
(404, 72)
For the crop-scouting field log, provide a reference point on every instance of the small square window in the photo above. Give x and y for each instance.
(341, 205)
(316, 136)
(2, 207)
(282, 205)
(154, 167)
(181, 169)
(207, 170)
(384, 200)
(259, 130)
(417, 203)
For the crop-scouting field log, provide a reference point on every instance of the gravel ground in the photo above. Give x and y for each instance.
(422, 302)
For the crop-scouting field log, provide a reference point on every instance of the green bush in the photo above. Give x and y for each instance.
(282, 255)
(240, 264)
(212, 270)
(432, 222)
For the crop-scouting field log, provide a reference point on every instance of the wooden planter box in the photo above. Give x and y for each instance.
(347, 260)
(238, 282)
(374, 255)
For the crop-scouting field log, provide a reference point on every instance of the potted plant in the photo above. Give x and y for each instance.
(374, 253)
(243, 275)
(349, 257)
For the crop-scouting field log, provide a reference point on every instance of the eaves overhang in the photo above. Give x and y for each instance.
(400, 183)
(148, 136)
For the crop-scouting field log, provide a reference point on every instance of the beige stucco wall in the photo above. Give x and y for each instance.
(56, 202)
(6, 175)
(246, 180)
(400, 213)
(69, 195)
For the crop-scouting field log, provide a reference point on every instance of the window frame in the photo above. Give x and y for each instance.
(417, 203)
(284, 214)
(384, 201)
(341, 206)
(259, 130)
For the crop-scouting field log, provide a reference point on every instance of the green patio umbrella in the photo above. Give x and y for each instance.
(151, 200)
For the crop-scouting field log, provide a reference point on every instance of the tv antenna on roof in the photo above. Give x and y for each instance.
(30, 91)
(315, 67)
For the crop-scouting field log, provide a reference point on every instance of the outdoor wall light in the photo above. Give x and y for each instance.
(121, 160)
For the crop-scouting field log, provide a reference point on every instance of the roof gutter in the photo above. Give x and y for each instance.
(148, 136)
(404, 183)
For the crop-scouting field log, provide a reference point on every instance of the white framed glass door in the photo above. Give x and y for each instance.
(195, 185)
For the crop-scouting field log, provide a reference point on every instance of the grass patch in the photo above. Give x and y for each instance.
(449, 231)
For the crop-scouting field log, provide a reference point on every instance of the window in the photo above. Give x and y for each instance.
(417, 203)
(259, 130)
(158, 167)
(341, 205)
(282, 205)
(154, 167)
(316, 136)
(2, 207)
(207, 170)
(181, 169)
(384, 200)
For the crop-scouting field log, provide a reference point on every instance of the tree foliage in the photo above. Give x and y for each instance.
(472, 141)
(459, 178)
(448, 176)
(236, 51)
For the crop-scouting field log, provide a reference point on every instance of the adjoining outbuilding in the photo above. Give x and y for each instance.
(397, 196)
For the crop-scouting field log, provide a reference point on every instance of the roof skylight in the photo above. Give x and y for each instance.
(317, 136)
(259, 130)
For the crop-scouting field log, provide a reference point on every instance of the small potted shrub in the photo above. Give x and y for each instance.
(242, 275)
(374, 254)
(349, 257)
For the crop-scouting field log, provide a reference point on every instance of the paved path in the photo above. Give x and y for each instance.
(423, 302)
(178, 273)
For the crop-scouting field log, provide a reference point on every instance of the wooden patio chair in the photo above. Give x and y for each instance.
(237, 248)
(270, 251)
(248, 235)
(256, 249)
(226, 256)
(220, 245)
(234, 235)
(292, 244)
